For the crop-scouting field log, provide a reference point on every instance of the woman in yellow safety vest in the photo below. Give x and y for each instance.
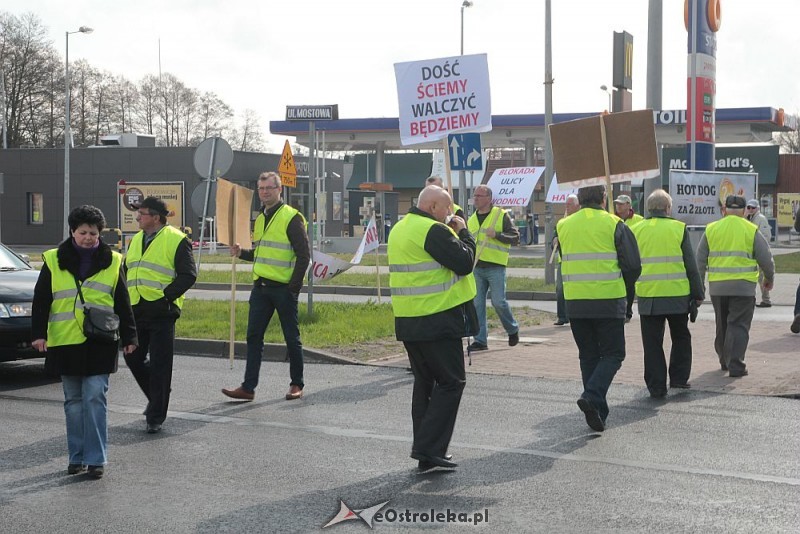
(57, 328)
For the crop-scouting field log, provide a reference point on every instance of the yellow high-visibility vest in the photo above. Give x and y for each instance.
(589, 266)
(149, 273)
(419, 284)
(663, 272)
(65, 323)
(730, 250)
(274, 257)
(494, 250)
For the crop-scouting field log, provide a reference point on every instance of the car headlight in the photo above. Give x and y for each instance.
(15, 309)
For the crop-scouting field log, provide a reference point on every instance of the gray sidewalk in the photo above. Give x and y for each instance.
(549, 351)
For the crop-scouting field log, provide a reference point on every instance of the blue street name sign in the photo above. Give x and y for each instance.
(465, 152)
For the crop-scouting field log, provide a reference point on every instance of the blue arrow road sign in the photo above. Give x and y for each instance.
(465, 152)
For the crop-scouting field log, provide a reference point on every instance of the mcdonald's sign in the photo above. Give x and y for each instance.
(623, 61)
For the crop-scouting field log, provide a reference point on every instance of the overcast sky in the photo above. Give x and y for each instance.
(265, 54)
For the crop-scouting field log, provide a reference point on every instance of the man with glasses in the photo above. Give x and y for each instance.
(159, 270)
(494, 233)
(754, 215)
(280, 258)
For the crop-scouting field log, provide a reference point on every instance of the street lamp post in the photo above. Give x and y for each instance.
(462, 176)
(605, 89)
(464, 5)
(67, 135)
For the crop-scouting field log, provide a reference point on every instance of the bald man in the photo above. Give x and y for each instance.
(430, 266)
(437, 181)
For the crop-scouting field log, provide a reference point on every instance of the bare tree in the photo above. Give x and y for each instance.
(789, 142)
(26, 57)
(252, 137)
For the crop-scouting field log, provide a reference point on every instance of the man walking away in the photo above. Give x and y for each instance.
(599, 260)
(732, 250)
(669, 283)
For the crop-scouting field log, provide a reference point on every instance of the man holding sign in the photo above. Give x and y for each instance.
(495, 233)
(280, 258)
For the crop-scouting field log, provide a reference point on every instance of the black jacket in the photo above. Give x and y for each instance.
(90, 357)
(458, 255)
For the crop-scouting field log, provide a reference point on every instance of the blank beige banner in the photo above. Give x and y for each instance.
(233, 213)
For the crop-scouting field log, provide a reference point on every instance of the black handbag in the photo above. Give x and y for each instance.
(98, 324)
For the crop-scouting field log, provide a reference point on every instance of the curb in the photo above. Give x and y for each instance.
(273, 352)
(369, 291)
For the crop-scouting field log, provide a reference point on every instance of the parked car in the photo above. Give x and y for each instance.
(17, 280)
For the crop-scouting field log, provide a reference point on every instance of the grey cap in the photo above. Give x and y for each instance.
(753, 203)
(622, 199)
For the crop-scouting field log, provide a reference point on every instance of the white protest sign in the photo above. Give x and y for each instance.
(369, 242)
(557, 195)
(513, 186)
(326, 267)
(698, 195)
(441, 96)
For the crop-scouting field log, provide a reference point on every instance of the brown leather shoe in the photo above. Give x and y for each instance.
(294, 393)
(239, 394)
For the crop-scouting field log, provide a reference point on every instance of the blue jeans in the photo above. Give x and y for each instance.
(493, 278)
(86, 409)
(264, 302)
(601, 350)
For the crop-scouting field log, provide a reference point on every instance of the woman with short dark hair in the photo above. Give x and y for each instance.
(82, 261)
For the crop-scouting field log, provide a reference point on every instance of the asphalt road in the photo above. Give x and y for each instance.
(698, 462)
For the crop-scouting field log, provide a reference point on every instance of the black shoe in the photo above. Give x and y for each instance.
(435, 461)
(763, 305)
(658, 393)
(96, 471)
(427, 466)
(592, 415)
(795, 328)
(723, 367)
(75, 469)
(475, 346)
(153, 428)
(513, 339)
(739, 374)
(685, 385)
(560, 323)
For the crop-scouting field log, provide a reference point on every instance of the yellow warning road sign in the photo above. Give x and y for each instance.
(287, 169)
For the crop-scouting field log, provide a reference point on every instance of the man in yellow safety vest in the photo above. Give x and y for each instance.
(732, 250)
(432, 291)
(599, 261)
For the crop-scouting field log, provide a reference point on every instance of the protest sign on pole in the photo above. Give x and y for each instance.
(441, 96)
(233, 204)
(326, 267)
(698, 195)
(619, 147)
(513, 186)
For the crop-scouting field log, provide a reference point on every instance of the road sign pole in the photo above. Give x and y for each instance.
(312, 178)
(205, 201)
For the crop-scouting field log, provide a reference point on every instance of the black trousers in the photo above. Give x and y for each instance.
(439, 380)
(154, 375)
(680, 355)
(601, 350)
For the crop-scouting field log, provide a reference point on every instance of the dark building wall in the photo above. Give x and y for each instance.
(94, 174)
